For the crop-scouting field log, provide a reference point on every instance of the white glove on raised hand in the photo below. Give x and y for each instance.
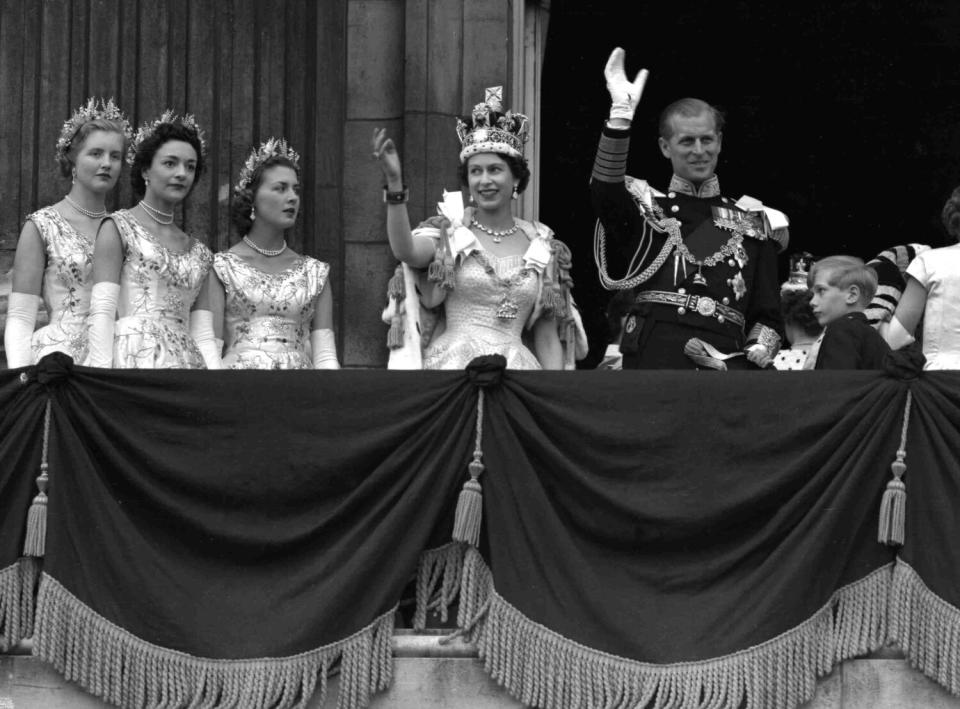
(624, 94)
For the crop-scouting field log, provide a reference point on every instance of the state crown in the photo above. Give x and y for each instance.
(492, 133)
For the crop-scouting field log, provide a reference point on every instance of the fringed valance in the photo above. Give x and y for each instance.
(658, 538)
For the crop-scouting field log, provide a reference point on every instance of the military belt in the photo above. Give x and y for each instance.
(700, 304)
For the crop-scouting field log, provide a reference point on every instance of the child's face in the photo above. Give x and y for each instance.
(830, 302)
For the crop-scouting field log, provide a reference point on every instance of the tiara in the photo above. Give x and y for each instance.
(505, 134)
(169, 117)
(272, 147)
(92, 110)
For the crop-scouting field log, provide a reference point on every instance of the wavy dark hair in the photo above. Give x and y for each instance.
(164, 133)
(68, 161)
(796, 310)
(243, 201)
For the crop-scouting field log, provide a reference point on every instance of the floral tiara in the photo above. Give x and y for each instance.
(168, 117)
(93, 110)
(272, 147)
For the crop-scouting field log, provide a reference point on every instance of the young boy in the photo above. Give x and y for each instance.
(842, 288)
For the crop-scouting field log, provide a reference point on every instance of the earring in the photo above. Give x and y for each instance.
(146, 181)
(473, 199)
(515, 193)
(253, 213)
(73, 172)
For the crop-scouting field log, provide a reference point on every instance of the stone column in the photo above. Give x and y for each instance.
(374, 97)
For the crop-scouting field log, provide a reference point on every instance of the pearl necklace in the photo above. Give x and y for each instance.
(497, 235)
(86, 212)
(157, 215)
(265, 252)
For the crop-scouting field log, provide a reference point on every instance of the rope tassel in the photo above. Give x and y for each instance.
(893, 506)
(35, 541)
(469, 515)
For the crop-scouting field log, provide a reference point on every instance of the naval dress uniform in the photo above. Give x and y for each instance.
(703, 271)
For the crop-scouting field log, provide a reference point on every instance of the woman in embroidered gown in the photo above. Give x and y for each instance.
(932, 295)
(54, 258)
(272, 304)
(497, 276)
(146, 270)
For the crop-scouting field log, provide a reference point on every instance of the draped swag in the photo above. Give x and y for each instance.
(648, 538)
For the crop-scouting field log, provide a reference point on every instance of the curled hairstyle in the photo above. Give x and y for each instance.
(164, 133)
(243, 199)
(68, 160)
(846, 271)
(950, 216)
(796, 311)
(689, 108)
(518, 166)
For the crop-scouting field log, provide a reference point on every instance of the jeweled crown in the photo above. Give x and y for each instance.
(272, 147)
(490, 133)
(93, 110)
(800, 264)
(149, 128)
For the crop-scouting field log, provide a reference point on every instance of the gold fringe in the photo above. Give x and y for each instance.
(542, 668)
(926, 627)
(17, 592)
(114, 665)
(438, 582)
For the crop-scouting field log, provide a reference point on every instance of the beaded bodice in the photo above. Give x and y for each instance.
(269, 312)
(67, 276)
(155, 282)
(496, 294)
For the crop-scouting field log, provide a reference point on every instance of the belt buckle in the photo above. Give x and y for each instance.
(706, 306)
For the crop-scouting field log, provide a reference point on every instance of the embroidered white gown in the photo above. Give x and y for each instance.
(268, 316)
(66, 286)
(486, 311)
(157, 289)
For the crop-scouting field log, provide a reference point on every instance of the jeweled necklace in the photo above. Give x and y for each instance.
(157, 215)
(497, 235)
(265, 252)
(86, 212)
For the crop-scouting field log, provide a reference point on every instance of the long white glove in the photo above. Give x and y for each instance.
(101, 323)
(324, 346)
(896, 334)
(624, 94)
(18, 333)
(201, 330)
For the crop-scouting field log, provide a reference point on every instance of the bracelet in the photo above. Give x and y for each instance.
(400, 197)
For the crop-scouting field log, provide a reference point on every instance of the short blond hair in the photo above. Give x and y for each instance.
(846, 271)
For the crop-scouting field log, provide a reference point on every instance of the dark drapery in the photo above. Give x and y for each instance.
(645, 533)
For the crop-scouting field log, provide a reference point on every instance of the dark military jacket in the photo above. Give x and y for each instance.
(701, 268)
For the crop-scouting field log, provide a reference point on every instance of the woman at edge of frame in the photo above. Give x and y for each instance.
(54, 258)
